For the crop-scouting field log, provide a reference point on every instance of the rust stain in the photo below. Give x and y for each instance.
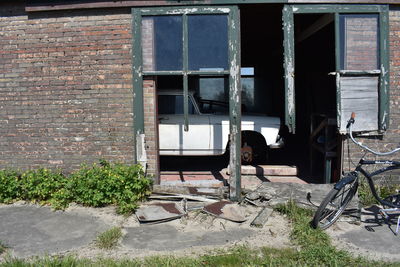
(195, 191)
(170, 207)
(216, 208)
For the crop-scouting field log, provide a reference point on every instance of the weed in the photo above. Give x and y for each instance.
(315, 245)
(9, 186)
(97, 185)
(383, 190)
(109, 239)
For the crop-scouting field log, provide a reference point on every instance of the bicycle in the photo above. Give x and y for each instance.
(343, 191)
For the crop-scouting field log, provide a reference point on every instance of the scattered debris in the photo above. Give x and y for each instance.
(262, 217)
(160, 212)
(308, 195)
(226, 210)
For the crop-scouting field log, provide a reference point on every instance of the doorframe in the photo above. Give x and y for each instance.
(336, 9)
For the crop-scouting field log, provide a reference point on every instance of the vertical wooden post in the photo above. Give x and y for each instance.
(234, 106)
(288, 65)
(138, 109)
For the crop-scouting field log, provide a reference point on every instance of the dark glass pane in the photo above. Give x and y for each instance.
(208, 42)
(211, 93)
(359, 42)
(173, 104)
(162, 43)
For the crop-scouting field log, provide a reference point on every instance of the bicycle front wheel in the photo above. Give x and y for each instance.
(334, 204)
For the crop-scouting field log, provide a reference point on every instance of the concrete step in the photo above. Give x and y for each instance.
(267, 170)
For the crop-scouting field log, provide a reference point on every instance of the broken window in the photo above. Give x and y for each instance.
(248, 90)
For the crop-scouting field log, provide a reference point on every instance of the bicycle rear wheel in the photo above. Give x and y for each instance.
(334, 204)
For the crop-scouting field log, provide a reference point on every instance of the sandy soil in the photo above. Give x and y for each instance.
(275, 232)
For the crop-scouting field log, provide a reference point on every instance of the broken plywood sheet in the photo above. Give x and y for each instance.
(226, 210)
(159, 212)
(311, 195)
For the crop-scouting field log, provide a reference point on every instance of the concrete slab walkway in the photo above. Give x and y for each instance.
(373, 237)
(32, 230)
(167, 238)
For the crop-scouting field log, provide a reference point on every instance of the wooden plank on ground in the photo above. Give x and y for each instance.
(262, 217)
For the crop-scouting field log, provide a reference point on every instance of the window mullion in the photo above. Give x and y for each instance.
(185, 72)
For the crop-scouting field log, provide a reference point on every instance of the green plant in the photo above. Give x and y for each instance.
(9, 186)
(315, 244)
(40, 185)
(235, 257)
(109, 239)
(99, 185)
(105, 184)
(2, 248)
(384, 190)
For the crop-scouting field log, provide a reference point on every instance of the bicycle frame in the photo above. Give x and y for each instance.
(339, 197)
(393, 165)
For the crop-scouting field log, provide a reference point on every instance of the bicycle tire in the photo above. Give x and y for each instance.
(328, 212)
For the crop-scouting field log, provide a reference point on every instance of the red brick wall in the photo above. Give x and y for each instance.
(65, 87)
(150, 125)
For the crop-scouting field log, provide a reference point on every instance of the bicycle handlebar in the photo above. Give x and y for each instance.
(350, 132)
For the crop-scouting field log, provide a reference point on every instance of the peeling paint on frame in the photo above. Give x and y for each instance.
(233, 72)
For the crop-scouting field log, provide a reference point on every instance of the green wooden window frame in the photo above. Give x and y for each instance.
(138, 73)
(336, 10)
(233, 71)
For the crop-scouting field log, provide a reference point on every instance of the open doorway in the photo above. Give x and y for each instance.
(316, 142)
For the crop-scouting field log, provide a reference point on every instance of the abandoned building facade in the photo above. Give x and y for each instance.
(79, 80)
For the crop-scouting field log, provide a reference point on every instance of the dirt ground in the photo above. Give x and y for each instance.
(357, 238)
(275, 232)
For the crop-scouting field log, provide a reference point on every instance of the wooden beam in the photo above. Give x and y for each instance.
(37, 6)
(70, 5)
(315, 27)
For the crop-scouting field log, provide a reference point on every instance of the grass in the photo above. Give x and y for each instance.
(312, 248)
(315, 245)
(365, 194)
(2, 248)
(109, 239)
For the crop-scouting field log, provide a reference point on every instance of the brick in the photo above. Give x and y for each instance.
(64, 83)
